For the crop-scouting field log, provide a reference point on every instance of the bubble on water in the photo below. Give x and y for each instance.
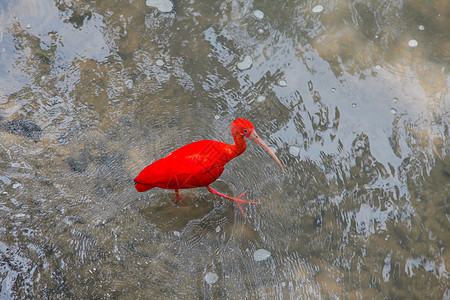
(246, 63)
(162, 5)
(211, 278)
(294, 150)
(28, 26)
(413, 43)
(317, 8)
(260, 31)
(393, 111)
(218, 229)
(421, 27)
(260, 98)
(395, 99)
(261, 254)
(333, 89)
(176, 233)
(217, 117)
(258, 14)
(353, 104)
(159, 63)
(377, 67)
(282, 82)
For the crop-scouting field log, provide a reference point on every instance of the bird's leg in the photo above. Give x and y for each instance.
(237, 199)
(178, 198)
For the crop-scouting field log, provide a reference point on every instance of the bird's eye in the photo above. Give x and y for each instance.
(245, 130)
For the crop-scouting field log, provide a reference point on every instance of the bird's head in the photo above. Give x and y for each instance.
(245, 128)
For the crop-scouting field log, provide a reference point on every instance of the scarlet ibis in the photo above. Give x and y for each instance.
(199, 164)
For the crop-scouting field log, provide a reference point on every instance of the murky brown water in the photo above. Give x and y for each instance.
(352, 96)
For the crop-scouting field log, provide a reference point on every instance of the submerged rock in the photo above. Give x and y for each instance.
(211, 277)
(79, 164)
(261, 254)
(164, 6)
(23, 128)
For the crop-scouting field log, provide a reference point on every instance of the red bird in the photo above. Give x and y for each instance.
(199, 164)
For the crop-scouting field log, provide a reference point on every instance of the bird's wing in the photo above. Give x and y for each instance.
(196, 164)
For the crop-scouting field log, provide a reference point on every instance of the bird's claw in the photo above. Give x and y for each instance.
(178, 198)
(239, 201)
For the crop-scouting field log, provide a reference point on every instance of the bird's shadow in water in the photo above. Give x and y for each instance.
(199, 206)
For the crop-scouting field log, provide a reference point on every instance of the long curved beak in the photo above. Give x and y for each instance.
(254, 137)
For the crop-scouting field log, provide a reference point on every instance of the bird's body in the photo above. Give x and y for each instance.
(199, 164)
(195, 165)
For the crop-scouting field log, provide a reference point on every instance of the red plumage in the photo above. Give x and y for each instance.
(194, 165)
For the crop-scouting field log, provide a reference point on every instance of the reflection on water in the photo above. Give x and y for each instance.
(93, 91)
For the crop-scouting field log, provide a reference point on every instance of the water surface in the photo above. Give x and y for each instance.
(351, 96)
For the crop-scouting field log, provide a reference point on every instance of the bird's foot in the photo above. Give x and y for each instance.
(237, 199)
(178, 198)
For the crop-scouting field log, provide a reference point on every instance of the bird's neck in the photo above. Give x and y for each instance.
(239, 144)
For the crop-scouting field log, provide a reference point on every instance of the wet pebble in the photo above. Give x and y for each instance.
(246, 63)
(162, 5)
(129, 83)
(413, 43)
(261, 254)
(16, 185)
(5, 180)
(318, 222)
(258, 14)
(317, 8)
(211, 278)
(218, 229)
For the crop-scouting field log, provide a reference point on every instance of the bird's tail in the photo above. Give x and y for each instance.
(140, 187)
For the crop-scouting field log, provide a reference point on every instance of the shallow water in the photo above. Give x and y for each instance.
(93, 91)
